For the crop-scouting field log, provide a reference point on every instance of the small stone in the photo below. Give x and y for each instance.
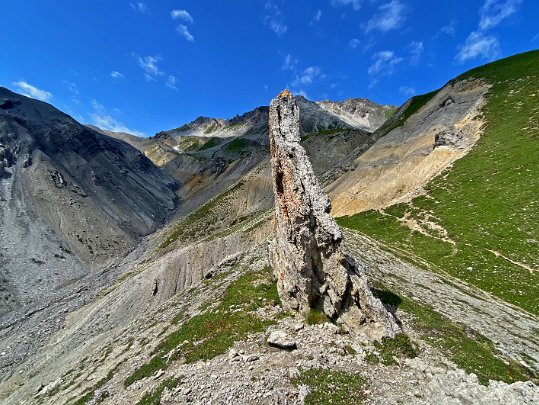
(293, 372)
(251, 358)
(158, 374)
(281, 340)
(233, 353)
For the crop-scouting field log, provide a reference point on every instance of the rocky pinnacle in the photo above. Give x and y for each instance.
(306, 254)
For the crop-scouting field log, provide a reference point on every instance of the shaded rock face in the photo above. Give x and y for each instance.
(307, 256)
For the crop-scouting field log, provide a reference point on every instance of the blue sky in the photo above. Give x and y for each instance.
(146, 66)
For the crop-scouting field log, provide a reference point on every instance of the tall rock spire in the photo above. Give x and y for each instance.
(307, 256)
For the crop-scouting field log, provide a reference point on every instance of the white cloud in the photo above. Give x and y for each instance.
(301, 93)
(289, 62)
(450, 29)
(171, 82)
(407, 91)
(28, 90)
(356, 4)
(416, 50)
(139, 6)
(101, 119)
(390, 16)
(274, 18)
(535, 38)
(116, 75)
(149, 65)
(184, 32)
(384, 63)
(181, 15)
(354, 43)
(494, 12)
(307, 77)
(72, 87)
(479, 45)
(317, 16)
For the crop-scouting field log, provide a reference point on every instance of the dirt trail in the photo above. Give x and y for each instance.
(512, 331)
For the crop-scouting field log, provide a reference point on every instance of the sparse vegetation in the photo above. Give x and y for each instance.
(237, 145)
(316, 317)
(154, 397)
(210, 143)
(189, 227)
(487, 202)
(468, 349)
(89, 394)
(399, 347)
(211, 128)
(212, 333)
(332, 387)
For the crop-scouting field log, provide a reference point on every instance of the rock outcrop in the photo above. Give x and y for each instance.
(307, 256)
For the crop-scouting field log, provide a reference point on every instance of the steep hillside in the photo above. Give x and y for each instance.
(477, 220)
(71, 200)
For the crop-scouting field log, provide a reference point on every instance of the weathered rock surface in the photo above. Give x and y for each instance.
(311, 268)
(281, 340)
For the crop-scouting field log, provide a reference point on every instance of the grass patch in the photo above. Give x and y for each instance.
(210, 143)
(212, 333)
(154, 397)
(399, 347)
(90, 393)
(316, 317)
(468, 349)
(332, 387)
(237, 145)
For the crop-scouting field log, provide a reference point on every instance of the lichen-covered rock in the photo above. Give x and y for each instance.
(306, 255)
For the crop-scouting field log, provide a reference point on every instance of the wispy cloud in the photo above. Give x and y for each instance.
(184, 32)
(139, 6)
(450, 29)
(171, 82)
(71, 86)
(29, 90)
(479, 45)
(390, 16)
(316, 17)
(274, 18)
(289, 62)
(354, 43)
(407, 91)
(116, 75)
(307, 76)
(416, 50)
(356, 4)
(301, 93)
(181, 15)
(149, 65)
(102, 119)
(494, 12)
(384, 62)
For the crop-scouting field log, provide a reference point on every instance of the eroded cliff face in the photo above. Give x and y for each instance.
(307, 256)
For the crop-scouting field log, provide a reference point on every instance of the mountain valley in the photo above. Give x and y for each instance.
(135, 270)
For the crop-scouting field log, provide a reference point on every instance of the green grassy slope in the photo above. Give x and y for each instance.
(488, 202)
